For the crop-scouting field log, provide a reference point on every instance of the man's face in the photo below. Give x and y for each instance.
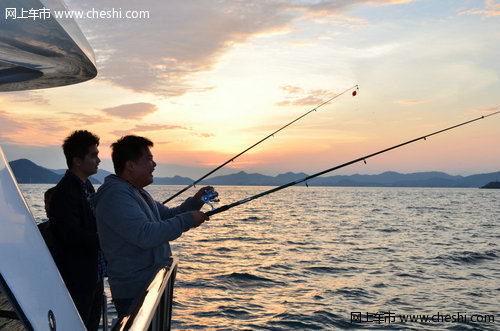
(90, 162)
(143, 169)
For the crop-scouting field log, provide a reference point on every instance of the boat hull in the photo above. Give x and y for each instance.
(34, 286)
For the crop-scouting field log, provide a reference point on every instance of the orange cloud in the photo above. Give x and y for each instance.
(388, 2)
(156, 127)
(27, 130)
(9, 126)
(492, 8)
(292, 89)
(84, 119)
(300, 97)
(183, 38)
(132, 110)
(147, 128)
(28, 97)
(179, 40)
(408, 102)
(489, 110)
(159, 127)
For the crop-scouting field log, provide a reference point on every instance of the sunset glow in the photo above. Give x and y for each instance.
(206, 81)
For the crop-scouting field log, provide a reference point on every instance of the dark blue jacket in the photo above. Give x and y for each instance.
(74, 227)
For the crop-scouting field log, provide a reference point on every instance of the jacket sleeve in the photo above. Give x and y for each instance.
(189, 204)
(121, 213)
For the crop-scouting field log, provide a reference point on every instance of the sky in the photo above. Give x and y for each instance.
(204, 80)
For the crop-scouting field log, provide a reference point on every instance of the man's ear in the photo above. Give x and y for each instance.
(77, 162)
(129, 165)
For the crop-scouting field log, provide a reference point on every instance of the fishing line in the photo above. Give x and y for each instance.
(363, 158)
(355, 87)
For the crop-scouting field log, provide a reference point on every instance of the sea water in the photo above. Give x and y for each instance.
(329, 258)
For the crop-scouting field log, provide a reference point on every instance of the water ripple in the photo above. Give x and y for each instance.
(306, 258)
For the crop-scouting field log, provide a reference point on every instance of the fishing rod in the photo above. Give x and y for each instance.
(363, 158)
(356, 87)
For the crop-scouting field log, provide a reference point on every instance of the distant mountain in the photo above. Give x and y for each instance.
(492, 185)
(419, 179)
(240, 178)
(391, 179)
(243, 178)
(176, 180)
(479, 180)
(386, 179)
(98, 178)
(28, 172)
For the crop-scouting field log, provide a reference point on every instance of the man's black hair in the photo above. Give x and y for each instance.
(128, 148)
(77, 145)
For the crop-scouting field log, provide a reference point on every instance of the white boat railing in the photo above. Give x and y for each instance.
(153, 311)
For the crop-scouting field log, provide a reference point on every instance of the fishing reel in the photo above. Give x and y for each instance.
(210, 196)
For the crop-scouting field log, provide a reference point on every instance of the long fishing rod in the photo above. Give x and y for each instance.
(356, 87)
(363, 158)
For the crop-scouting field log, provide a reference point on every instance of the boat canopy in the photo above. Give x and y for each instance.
(41, 51)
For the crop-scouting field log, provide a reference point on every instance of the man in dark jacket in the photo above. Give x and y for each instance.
(77, 254)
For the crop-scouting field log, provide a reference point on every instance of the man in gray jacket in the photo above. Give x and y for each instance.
(134, 229)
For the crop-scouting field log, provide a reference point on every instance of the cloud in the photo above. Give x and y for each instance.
(204, 135)
(159, 127)
(300, 97)
(292, 89)
(492, 8)
(491, 109)
(9, 126)
(122, 133)
(408, 102)
(28, 97)
(84, 119)
(161, 54)
(180, 38)
(307, 101)
(148, 128)
(27, 129)
(334, 11)
(387, 2)
(301, 43)
(131, 110)
(39, 129)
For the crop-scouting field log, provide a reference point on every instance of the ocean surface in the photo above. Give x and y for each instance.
(327, 258)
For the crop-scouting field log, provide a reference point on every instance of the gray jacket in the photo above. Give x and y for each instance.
(134, 234)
